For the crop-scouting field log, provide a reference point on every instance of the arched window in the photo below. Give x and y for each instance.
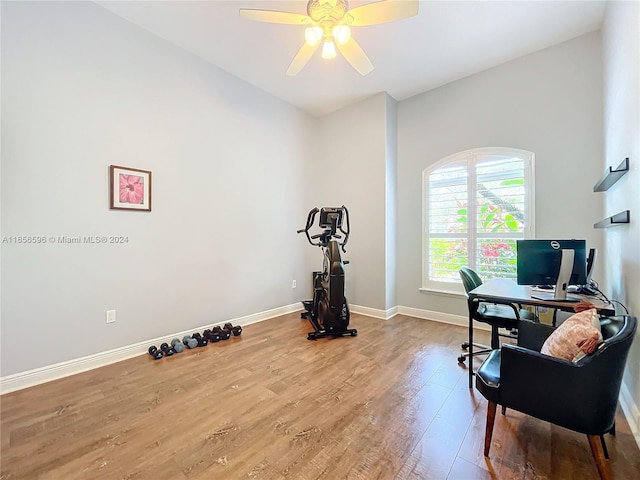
(477, 203)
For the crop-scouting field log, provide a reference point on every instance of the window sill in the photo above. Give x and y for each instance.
(446, 293)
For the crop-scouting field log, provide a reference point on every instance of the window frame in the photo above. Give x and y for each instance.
(470, 158)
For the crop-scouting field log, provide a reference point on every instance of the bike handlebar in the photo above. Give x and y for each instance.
(310, 218)
(327, 233)
(346, 233)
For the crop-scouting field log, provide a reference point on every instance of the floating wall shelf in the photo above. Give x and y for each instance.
(617, 219)
(612, 176)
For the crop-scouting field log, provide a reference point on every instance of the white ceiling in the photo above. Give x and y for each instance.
(446, 41)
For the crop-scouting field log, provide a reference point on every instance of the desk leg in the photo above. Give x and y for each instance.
(470, 366)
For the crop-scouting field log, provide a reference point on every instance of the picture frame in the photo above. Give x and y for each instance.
(129, 188)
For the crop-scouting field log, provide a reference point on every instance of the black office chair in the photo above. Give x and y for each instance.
(504, 316)
(581, 396)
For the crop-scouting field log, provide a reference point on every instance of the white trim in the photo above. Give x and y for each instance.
(459, 320)
(447, 293)
(631, 412)
(30, 378)
(374, 312)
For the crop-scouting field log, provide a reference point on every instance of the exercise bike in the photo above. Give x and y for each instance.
(328, 311)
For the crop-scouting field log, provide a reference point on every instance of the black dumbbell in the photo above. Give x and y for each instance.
(222, 334)
(202, 342)
(211, 336)
(228, 329)
(155, 353)
(236, 331)
(167, 350)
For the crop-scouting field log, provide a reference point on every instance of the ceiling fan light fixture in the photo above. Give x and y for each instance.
(313, 35)
(342, 33)
(330, 21)
(328, 49)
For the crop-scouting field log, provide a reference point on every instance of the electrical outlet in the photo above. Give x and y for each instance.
(111, 316)
(293, 284)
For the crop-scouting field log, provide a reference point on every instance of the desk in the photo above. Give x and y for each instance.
(505, 291)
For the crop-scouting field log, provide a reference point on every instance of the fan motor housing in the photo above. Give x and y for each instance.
(323, 10)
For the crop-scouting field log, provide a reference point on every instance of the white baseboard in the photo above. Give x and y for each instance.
(631, 411)
(30, 378)
(459, 320)
(374, 312)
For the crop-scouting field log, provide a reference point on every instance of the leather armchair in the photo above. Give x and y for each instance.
(580, 396)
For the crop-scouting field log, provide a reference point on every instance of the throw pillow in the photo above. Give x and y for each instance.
(578, 335)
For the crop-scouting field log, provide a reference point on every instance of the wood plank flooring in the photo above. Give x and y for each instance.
(390, 403)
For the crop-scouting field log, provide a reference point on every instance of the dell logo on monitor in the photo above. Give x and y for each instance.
(555, 245)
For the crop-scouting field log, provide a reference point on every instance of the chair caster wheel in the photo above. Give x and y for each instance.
(461, 359)
(354, 333)
(465, 345)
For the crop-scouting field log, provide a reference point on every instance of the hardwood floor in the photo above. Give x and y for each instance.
(389, 403)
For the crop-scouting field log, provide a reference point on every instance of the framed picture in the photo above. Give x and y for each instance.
(129, 188)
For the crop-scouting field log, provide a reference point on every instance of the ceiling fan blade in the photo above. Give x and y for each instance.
(272, 16)
(301, 58)
(355, 56)
(383, 12)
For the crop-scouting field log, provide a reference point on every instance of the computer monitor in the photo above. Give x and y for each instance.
(552, 262)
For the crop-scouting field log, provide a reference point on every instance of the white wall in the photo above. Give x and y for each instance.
(621, 47)
(549, 103)
(350, 170)
(83, 89)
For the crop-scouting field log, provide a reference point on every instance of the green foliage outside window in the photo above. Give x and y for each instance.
(447, 256)
(496, 257)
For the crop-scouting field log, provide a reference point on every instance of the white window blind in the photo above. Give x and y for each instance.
(477, 204)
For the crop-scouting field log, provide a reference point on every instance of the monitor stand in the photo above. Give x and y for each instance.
(564, 275)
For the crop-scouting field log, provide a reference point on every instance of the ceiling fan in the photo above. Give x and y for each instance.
(330, 21)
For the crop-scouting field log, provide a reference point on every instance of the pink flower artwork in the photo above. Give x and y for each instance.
(131, 189)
